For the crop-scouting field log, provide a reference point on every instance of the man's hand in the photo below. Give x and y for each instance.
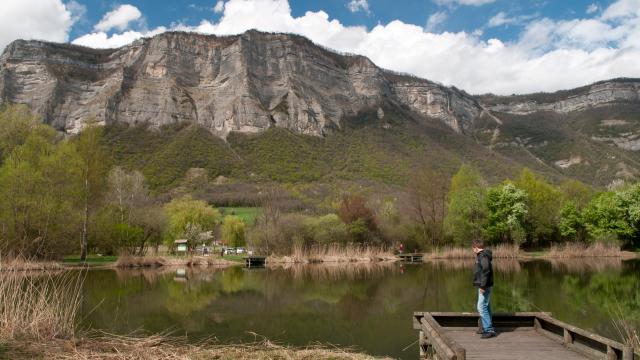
(481, 291)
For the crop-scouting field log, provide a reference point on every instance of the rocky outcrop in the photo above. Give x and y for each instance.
(244, 83)
(596, 95)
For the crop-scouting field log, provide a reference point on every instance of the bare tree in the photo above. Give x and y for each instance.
(427, 193)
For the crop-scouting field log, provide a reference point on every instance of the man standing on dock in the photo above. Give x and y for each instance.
(483, 279)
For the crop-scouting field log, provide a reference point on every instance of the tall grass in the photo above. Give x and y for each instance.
(629, 333)
(39, 306)
(501, 251)
(129, 262)
(161, 347)
(579, 250)
(21, 264)
(334, 253)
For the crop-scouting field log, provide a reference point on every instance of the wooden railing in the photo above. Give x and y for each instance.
(433, 340)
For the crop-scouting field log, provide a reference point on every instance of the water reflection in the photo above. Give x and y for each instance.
(368, 306)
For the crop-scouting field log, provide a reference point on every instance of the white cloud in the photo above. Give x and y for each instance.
(435, 20)
(35, 19)
(548, 55)
(464, 2)
(78, 11)
(500, 19)
(219, 6)
(359, 5)
(592, 8)
(622, 9)
(118, 18)
(102, 40)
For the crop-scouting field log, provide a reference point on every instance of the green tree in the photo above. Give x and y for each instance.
(326, 229)
(467, 205)
(506, 211)
(17, 123)
(186, 212)
(543, 206)
(93, 169)
(233, 231)
(577, 192)
(571, 223)
(37, 193)
(606, 216)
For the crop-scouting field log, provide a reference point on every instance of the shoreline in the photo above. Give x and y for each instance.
(216, 262)
(157, 347)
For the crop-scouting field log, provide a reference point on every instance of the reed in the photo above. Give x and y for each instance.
(579, 250)
(334, 253)
(19, 263)
(156, 347)
(39, 307)
(501, 251)
(129, 262)
(629, 333)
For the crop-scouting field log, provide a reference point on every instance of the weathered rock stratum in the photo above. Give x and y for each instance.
(244, 83)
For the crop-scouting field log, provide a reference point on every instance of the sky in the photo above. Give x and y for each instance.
(481, 46)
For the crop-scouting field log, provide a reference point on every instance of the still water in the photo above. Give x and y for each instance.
(364, 306)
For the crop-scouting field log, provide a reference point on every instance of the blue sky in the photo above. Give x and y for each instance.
(499, 46)
(458, 17)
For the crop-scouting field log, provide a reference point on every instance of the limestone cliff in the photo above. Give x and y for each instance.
(244, 83)
(592, 96)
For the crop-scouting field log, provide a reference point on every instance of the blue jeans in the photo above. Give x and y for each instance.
(484, 309)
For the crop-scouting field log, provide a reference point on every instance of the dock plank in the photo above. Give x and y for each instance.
(523, 344)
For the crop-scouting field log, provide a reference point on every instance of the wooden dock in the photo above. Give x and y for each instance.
(526, 335)
(411, 257)
(252, 261)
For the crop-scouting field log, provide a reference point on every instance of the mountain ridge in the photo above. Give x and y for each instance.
(256, 81)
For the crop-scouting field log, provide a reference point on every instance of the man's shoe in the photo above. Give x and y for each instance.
(488, 334)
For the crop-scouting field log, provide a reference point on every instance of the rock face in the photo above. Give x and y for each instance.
(592, 96)
(244, 83)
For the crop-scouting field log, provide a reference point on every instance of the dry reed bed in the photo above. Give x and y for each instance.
(21, 264)
(578, 250)
(160, 261)
(502, 251)
(42, 307)
(157, 347)
(334, 253)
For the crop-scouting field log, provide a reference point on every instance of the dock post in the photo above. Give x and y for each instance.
(568, 337)
(627, 353)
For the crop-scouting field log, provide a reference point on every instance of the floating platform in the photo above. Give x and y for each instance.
(255, 261)
(411, 257)
(525, 335)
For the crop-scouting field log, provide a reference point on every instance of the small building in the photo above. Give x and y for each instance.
(182, 246)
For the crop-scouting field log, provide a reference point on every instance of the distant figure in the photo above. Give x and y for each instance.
(401, 248)
(483, 279)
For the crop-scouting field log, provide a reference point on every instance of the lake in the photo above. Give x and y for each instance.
(364, 306)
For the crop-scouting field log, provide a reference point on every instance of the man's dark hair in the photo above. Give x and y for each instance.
(479, 243)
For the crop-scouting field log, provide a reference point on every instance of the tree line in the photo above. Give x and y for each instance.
(64, 195)
(61, 196)
(528, 211)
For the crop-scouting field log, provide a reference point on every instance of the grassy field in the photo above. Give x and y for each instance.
(247, 214)
(236, 258)
(92, 260)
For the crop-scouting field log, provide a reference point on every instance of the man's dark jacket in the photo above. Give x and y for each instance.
(483, 275)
